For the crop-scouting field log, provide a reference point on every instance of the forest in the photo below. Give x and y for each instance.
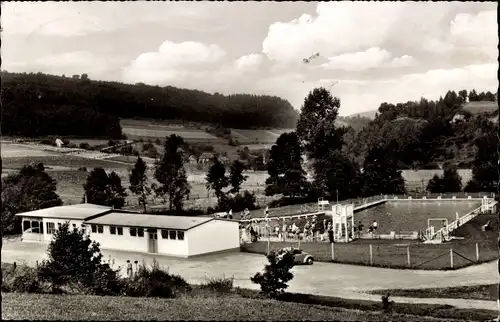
(37, 104)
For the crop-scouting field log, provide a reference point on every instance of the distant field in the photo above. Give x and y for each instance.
(17, 150)
(68, 161)
(481, 107)
(264, 136)
(162, 133)
(259, 146)
(418, 176)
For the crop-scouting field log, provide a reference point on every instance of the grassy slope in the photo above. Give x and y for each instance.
(479, 292)
(228, 307)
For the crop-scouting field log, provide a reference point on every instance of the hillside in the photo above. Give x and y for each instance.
(426, 133)
(70, 106)
(368, 114)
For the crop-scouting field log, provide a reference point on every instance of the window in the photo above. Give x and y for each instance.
(100, 229)
(94, 228)
(26, 225)
(180, 235)
(164, 234)
(172, 234)
(51, 228)
(112, 230)
(140, 232)
(119, 230)
(133, 232)
(35, 228)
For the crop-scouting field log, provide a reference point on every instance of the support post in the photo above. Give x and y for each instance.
(477, 252)
(371, 254)
(451, 257)
(333, 252)
(408, 255)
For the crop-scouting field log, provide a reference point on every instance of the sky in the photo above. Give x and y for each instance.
(369, 52)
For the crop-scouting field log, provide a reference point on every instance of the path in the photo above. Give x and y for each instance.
(339, 280)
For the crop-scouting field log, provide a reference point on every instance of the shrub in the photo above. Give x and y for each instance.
(219, 284)
(155, 282)
(66, 142)
(276, 274)
(82, 169)
(243, 201)
(105, 281)
(26, 281)
(158, 141)
(431, 166)
(47, 142)
(84, 145)
(72, 145)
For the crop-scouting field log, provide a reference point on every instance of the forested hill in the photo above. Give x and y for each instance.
(47, 101)
(424, 133)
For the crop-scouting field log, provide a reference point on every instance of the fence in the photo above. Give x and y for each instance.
(374, 253)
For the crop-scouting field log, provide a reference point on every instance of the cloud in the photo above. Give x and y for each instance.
(248, 63)
(345, 27)
(402, 61)
(70, 63)
(371, 58)
(174, 61)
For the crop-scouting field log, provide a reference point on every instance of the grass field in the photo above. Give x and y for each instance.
(393, 253)
(240, 305)
(481, 107)
(478, 292)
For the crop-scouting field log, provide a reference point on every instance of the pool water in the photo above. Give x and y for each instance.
(411, 216)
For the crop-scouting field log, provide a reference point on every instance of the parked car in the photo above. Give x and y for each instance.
(300, 256)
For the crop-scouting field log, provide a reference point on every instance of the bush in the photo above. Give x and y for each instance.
(276, 274)
(82, 169)
(84, 145)
(48, 142)
(105, 281)
(66, 142)
(158, 141)
(243, 201)
(26, 281)
(219, 285)
(72, 146)
(431, 166)
(155, 282)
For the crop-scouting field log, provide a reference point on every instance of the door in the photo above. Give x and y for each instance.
(153, 243)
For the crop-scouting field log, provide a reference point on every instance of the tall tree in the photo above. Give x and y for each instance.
(381, 174)
(171, 175)
(216, 179)
(103, 189)
(139, 182)
(286, 175)
(29, 189)
(236, 177)
(485, 165)
(450, 181)
(316, 125)
(336, 176)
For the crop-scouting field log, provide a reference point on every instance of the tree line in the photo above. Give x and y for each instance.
(36, 104)
(421, 133)
(336, 174)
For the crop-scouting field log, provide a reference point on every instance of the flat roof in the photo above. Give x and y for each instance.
(81, 211)
(115, 218)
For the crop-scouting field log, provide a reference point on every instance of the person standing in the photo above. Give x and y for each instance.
(360, 228)
(129, 269)
(375, 227)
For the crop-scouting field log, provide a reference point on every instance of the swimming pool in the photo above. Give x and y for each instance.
(410, 216)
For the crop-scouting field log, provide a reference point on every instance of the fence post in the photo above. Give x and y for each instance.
(451, 257)
(408, 255)
(333, 253)
(477, 252)
(371, 254)
(268, 245)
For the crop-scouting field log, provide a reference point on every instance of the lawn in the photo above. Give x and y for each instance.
(9, 150)
(254, 136)
(478, 292)
(393, 253)
(159, 132)
(222, 307)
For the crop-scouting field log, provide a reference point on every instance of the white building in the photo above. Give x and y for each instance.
(118, 230)
(39, 225)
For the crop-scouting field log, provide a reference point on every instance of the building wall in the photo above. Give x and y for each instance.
(214, 236)
(123, 242)
(48, 237)
(172, 247)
